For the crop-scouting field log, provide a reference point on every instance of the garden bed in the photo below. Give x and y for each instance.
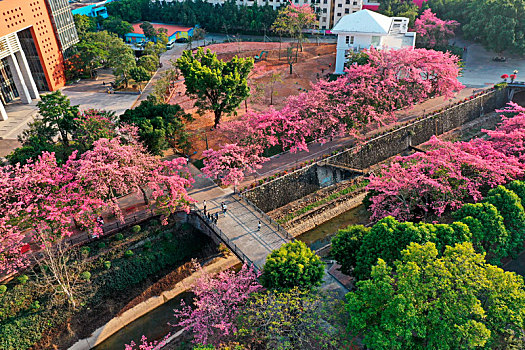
(29, 319)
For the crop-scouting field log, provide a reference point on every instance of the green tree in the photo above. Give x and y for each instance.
(399, 8)
(518, 187)
(116, 25)
(388, 238)
(217, 85)
(427, 301)
(346, 244)
(292, 265)
(497, 24)
(291, 319)
(161, 125)
(510, 208)
(58, 114)
(129, 10)
(149, 32)
(139, 74)
(84, 24)
(148, 62)
(489, 234)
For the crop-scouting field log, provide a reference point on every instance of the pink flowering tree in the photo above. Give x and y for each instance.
(43, 202)
(428, 184)
(509, 135)
(293, 20)
(232, 162)
(432, 31)
(147, 345)
(218, 300)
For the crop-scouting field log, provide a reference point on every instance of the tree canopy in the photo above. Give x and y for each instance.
(217, 86)
(431, 301)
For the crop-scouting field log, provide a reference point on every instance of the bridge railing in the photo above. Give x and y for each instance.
(233, 247)
(280, 229)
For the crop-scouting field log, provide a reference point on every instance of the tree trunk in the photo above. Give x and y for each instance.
(65, 140)
(290, 68)
(217, 118)
(144, 195)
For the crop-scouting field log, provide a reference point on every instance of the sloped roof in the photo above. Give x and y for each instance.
(364, 21)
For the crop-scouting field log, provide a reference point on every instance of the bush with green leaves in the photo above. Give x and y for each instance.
(3, 289)
(148, 245)
(357, 248)
(86, 275)
(107, 265)
(518, 187)
(119, 236)
(135, 229)
(85, 250)
(292, 265)
(101, 245)
(489, 234)
(510, 208)
(427, 300)
(128, 253)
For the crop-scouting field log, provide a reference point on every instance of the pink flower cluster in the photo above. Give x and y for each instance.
(217, 302)
(42, 201)
(443, 178)
(361, 100)
(433, 31)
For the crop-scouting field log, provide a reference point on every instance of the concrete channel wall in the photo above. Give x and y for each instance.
(293, 186)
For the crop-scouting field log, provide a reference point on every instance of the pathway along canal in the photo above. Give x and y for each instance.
(320, 236)
(154, 325)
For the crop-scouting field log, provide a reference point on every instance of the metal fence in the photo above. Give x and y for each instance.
(233, 247)
(280, 229)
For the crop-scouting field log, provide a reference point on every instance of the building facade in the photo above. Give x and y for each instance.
(365, 29)
(137, 39)
(31, 54)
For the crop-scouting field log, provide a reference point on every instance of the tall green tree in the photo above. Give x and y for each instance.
(399, 8)
(58, 114)
(84, 24)
(149, 32)
(218, 86)
(428, 301)
(161, 125)
(346, 244)
(139, 74)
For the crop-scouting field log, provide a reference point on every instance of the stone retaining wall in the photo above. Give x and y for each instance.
(290, 187)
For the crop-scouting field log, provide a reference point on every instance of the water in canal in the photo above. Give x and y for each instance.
(321, 235)
(154, 325)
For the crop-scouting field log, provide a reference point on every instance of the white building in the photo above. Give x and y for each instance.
(365, 29)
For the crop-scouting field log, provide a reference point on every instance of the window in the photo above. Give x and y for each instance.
(325, 1)
(347, 40)
(352, 40)
(375, 41)
(355, 3)
(324, 19)
(323, 27)
(339, 5)
(339, 14)
(347, 10)
(324, 10)
(348, 2)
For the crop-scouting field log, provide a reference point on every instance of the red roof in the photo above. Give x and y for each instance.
(172, 29)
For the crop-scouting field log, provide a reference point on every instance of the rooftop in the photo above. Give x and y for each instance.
(364, 21)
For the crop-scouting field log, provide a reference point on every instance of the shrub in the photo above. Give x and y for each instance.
(168, 236)
(35, 305)
(86, 275)
(119, 236)
(101, 245)
(147, 245)
(85, 250)
(292, 265)
(3, 289)
(128, 253)
(518, 187)
(107, 265)
(22, 279)
(154, 222)
(135, 229)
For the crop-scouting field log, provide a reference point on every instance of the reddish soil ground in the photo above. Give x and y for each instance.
(313, 62)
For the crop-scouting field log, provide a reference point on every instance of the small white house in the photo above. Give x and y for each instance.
(364, 29)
